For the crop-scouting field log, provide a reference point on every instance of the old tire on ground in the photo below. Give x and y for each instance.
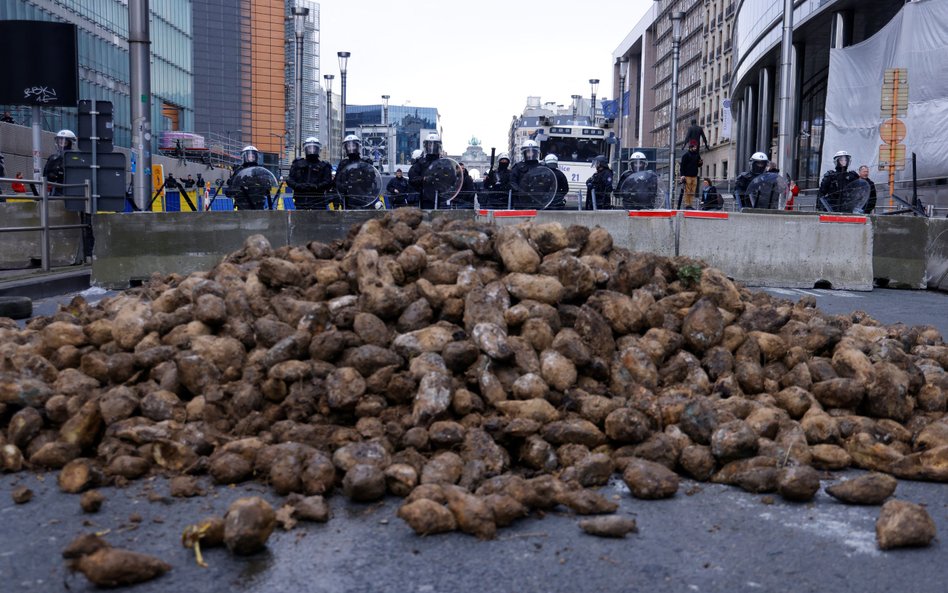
(15, 307)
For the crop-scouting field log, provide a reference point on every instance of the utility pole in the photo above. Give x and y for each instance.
(139, 53)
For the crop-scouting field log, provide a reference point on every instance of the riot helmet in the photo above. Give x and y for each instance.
(551, 160)
(759, 162)
(311, 147)
(842, 160)
(352, 145)
(417, 154)
(250, 155)
(600, 161)
(433, 144)
(65, 140)
(638, 162)
(500, 160)
(530, 150)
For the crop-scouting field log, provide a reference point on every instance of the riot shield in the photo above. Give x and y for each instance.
(536, 189)
(250, 188)
(768, 191)
(640, 191)
(442, 183)
(359, 185)
(854, 197)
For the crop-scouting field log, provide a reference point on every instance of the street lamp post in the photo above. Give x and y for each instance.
(343, 61)
(328, 78)
(575, 99)
(594, 86)
(299, 21)
(676, 18)
(623, 63)
(388, 136)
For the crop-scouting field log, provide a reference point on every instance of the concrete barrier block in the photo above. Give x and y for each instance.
(784, 251)
(899, 251)
(936, 268)
(133, 246)
(325, 225)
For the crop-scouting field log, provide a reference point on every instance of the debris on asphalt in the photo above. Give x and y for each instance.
(871, 489)
(91, 501)
(247, 525)
(209, 533)
(609, 526)
(114, 567)
(903, 524)
(21, 495)
(481, 373)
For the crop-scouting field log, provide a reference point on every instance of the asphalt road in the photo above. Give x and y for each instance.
(708, 538)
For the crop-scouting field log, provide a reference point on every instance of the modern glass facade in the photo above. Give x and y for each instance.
(102, 27)
(818, 26)
(408, 120)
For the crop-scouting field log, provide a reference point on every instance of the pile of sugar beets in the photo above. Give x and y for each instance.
(481, 373)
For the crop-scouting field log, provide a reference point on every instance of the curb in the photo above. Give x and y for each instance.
(46, 284)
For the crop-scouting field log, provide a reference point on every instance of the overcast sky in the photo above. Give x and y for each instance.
(475, 61)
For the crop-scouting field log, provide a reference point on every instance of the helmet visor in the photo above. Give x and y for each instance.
(432, 147)
(531, 154)
(310, 149)
(249, 156)
(758, 166)
(842, 161)
(63, 143)
(351, 147)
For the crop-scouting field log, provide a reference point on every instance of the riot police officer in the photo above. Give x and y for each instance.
(637, 162)
(310, 178)
(250, 184)
(497, 183)
(599, 183)
(562, 184)
(758, 166)
(352, 145)
(416, 175)
(54, 170)
(834, 181)
(530, 153)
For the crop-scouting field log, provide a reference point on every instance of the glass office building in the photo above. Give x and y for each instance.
(408, 120)
(102, 31)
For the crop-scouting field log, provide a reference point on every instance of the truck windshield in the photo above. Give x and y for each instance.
(573, 149)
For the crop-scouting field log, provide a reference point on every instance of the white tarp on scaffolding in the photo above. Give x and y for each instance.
(916, 39)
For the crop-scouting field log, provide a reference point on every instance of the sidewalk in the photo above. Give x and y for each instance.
(37, 284)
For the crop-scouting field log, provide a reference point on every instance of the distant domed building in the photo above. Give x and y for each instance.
(474, 158)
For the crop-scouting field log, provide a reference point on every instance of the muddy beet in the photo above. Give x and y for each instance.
(247, 525)
(112, 567)
(902, 524)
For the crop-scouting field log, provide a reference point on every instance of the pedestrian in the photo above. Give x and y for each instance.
(3, 171)
(200, 181)
(310, 178)
(398, 189)
(7, 118)
(695, 134)
(599, 185)
(689, 168)
(710, 197)
(17, 186)
(864, 174)
(189, 182)
(562, 184)
(830, 195)
(758, 166)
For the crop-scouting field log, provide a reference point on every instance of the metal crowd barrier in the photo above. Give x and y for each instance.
(42, 197)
